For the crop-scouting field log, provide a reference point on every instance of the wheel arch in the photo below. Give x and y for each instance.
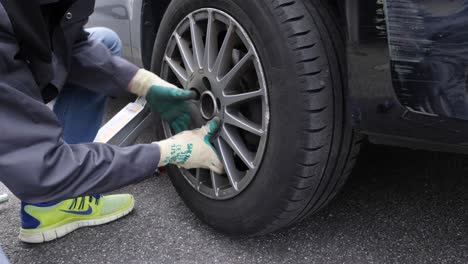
(152, 12)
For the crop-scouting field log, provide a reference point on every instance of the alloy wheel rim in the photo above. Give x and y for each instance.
(211, 53)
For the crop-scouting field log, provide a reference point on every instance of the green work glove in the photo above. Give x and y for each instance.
(164, 98)
(192, 149)
(171, 103)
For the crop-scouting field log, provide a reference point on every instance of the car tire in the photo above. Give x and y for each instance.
(311, 146)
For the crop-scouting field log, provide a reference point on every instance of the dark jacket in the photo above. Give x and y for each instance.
(41, 49)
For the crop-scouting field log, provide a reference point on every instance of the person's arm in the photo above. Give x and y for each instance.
(38, 166)
(94, 67)
(35, 162)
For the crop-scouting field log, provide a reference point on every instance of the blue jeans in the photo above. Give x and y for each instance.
(3, 258)
(80, 110)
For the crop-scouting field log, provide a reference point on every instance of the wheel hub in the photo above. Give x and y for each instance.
(210, 52)
(208, 105)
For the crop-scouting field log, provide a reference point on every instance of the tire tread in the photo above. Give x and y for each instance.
(308, 196)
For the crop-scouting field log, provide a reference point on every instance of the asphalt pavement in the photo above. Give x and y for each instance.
(399, 206)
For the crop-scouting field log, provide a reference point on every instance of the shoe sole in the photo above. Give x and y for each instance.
(52, 234)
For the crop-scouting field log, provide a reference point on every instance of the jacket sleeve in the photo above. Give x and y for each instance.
(95, 67)
(35, 162)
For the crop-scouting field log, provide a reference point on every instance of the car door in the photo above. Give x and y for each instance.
(429, 52)
(115, 14)
(408, 62)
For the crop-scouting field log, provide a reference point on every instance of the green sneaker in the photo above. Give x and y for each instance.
(46, 222)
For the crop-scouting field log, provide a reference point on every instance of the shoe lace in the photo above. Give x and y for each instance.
(81, 201)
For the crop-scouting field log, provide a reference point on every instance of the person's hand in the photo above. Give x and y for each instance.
(164, 98)
(192, 149)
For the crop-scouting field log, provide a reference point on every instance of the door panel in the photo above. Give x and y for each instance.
(407, 72)
(429, 52)
(115, 14)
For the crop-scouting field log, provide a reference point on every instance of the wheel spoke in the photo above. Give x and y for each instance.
(179, 72)
(216, 182)
(197, 42)
(198, 180)
(185, 52)
(237, 71)
(239, 98)
(229, 166)
(236, 144)
(225, 51)
(211, 47)
(243, 124)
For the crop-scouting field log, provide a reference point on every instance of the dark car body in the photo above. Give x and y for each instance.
(406, 64)
(407, 72)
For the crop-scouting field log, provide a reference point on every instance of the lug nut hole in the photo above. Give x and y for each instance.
(207, 83)
(197, 92)
(218, 104)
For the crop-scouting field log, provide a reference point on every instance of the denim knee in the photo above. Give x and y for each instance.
(107, 37)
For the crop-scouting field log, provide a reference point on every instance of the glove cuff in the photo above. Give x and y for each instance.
(165, 150)
(143, 81)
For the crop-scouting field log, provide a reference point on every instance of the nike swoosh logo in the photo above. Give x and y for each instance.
(87, 212)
